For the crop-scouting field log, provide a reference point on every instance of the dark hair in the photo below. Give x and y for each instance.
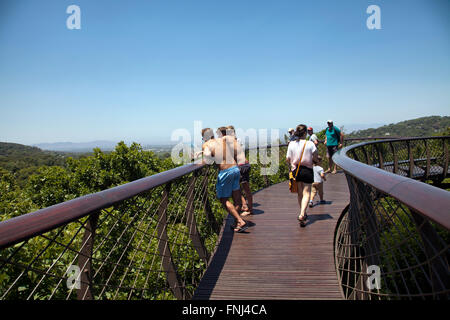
(222, 130)
(207, 134)
(300, 131)
(319, 158)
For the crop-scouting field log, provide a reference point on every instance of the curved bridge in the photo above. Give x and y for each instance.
(162, 237)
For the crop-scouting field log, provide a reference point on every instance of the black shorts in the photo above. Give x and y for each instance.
(245, 172)
(305, 175)
(331, 150)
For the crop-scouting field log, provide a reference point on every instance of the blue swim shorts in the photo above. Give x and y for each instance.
(227, 182)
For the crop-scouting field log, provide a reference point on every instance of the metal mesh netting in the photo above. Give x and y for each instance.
(152, 246)
(383, 248)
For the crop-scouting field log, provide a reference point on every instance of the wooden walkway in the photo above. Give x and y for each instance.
(276, 258)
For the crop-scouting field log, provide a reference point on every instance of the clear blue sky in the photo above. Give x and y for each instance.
(137, 70)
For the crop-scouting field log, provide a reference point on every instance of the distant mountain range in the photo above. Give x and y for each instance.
(425, 126)
(77, 146)
(420, 127)
(104, 145)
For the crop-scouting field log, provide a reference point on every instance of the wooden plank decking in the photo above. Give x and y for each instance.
(275, 258)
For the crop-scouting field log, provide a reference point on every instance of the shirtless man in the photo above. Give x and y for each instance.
(223, 151)
(244, 168)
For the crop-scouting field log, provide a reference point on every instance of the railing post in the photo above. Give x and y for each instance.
(366, 155)
(427, 150)
(411, 159)
(212, 219)
(191, 223)
(394, 153)
(207, 207)
(380, 156)
(85, 259)
(355, 156)
(266, 180)
(164, 250)
(445, 165)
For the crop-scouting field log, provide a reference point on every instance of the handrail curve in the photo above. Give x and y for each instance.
(424, 198)
(23, 227)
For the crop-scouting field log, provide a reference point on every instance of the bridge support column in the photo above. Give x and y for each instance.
(411, 159)
(168, 266)
(191, 223)
(446, 159)
(85, 259)
(394, 154)
(207, 207)
(427, 170)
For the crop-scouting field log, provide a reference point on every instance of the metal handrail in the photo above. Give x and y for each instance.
(393, 223)
(26, 226)
(424, 198)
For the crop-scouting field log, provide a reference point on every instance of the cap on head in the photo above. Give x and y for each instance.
(310, 129)
(329, 121)
(291, 130)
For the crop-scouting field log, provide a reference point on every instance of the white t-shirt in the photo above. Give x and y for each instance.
(317, 171)
(294, 152)
(313, 137)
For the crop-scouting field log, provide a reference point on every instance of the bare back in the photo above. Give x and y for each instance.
(223, 151)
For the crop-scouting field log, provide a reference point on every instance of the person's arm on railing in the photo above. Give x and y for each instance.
(207, 156)
(341, 139)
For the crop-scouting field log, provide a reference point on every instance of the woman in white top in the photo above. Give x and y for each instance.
(307, 151)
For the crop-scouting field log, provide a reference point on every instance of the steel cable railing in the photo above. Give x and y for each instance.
(152, 238)
(126, 250)
(393, 241)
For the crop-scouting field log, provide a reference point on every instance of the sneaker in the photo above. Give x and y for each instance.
(311, 204)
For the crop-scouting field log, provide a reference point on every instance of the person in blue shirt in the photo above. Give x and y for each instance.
(334, 140)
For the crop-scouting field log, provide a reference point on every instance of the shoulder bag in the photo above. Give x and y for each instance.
(292, 178)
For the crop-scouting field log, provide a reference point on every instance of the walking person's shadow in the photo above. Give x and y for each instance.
(256, 211)
(317, 217)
